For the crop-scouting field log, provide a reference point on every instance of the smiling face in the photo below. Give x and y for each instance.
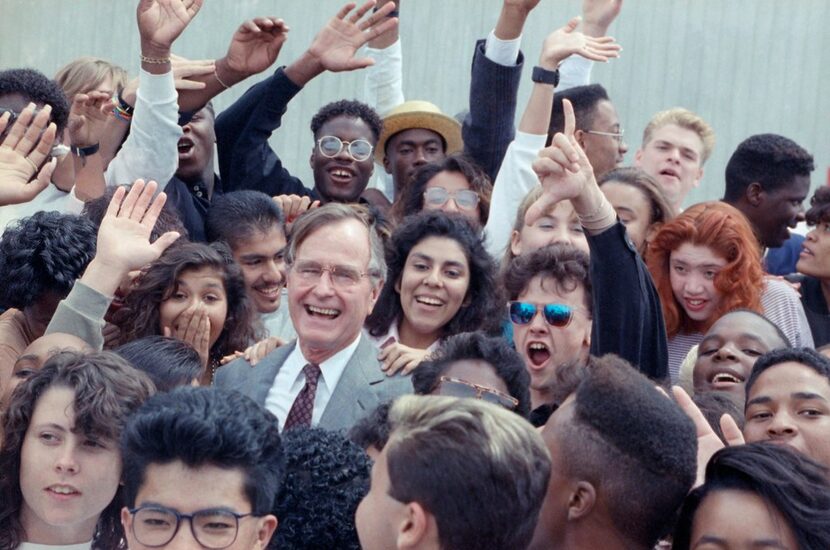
(433, 286)
(545, 348)
(342, 178)
(559, 225)
(261, 257)
(789, 403)
(178, 487)
(67, 479)
(453, 182)
(814, 259)
(203, 287)
(778, 210)
(327, 317)
(729, 350)
(674, 157)
(714, 526)
(692, 271)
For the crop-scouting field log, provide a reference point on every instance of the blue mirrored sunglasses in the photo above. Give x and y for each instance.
(556, 315)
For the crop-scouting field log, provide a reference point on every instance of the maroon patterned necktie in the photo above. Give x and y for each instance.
(300, 413)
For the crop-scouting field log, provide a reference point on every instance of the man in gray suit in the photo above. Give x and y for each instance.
(330, 376)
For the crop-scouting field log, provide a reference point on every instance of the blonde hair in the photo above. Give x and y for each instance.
(87, 73)
(685, 119)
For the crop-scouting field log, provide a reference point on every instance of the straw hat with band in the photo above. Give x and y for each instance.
(419, 114)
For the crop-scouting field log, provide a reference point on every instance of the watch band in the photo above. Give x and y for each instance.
(544, 76)
(85, 151)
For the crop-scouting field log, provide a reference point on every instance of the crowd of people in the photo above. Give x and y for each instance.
(462, 334)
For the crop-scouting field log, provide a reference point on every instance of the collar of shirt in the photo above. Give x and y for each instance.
(331, 369)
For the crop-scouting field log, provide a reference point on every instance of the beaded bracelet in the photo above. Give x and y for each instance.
(120, 113)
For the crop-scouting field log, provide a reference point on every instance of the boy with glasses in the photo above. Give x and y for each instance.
(201, 467)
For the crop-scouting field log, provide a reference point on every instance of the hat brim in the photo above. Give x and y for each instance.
(447, 127)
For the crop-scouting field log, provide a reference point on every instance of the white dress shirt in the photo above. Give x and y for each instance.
(290, 381)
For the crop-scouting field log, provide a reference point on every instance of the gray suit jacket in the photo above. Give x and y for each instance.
(361, 388)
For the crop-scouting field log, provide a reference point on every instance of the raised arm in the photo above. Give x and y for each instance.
(597, 16)
(23, 151)
(628, 318)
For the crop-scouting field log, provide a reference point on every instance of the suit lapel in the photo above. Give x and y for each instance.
(266, 372)
(353, 394)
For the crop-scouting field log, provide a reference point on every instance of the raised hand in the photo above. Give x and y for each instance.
(124, 236)
(160, 22)
(708, 442)
(398, 357)
(185, 69)
(294, 205)
(599, 14)
(255, 46)
(22, 153)
(567, 41)
(88, 118)
(335, 45)
(563, 169)
(526, 5)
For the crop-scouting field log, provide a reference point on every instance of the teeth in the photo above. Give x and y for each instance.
(63, 490)
(695, 302)
(725, 377)
(323, 311)
(537, 345)
(341, 173)
(271, 291)
(429, 301)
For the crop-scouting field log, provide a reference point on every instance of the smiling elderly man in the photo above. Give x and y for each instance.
(330, 376)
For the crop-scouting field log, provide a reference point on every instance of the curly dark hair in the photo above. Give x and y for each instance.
(484, 304)
(786, 480)
(140, 315)
(168, 220)
(326, 478)
(411, 200)
(36, 87)
(45, 252)
(373, 429)
(107, 390)
(561, 262)
(495, 351)
(819, 206)
(350, 108)
(768, 159)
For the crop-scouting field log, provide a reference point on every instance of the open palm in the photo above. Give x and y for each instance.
(256, 45)
(160, 22)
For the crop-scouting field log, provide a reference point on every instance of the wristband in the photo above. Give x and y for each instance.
(544, 76)
(123, 106)
(84, 152)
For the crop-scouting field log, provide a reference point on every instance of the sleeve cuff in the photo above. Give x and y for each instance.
(156, 88)
(503, 52)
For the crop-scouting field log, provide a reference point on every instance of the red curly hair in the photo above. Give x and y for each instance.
(725, 231)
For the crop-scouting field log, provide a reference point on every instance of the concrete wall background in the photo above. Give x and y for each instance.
(747, 66)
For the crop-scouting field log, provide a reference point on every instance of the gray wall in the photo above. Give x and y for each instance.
(746, 66)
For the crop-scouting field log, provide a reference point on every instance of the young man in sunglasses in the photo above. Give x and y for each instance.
(566, 307)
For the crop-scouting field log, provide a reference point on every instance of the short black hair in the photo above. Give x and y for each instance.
(373, 429)
(763, 317)
(507, 363)
(819, 206)
(483, 309)
(199, 426)
(168, 362)
(563, 263)
(584, 100)
(326, 477)
(638, 448)
(786, 480)
(769, 159)
(45, 252)
(237, 216)
(36, 87)
(805, 356)
(350, 108)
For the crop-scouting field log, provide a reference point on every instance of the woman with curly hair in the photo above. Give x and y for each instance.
(758, 496)
(814, 265)
(40, 258)
(194, 292)
(707, 262)
(440, 282)
(60, 465)
(456, 184)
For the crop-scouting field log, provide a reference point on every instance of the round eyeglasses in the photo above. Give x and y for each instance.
(438, 196)
(156, 526)
(330, 147)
